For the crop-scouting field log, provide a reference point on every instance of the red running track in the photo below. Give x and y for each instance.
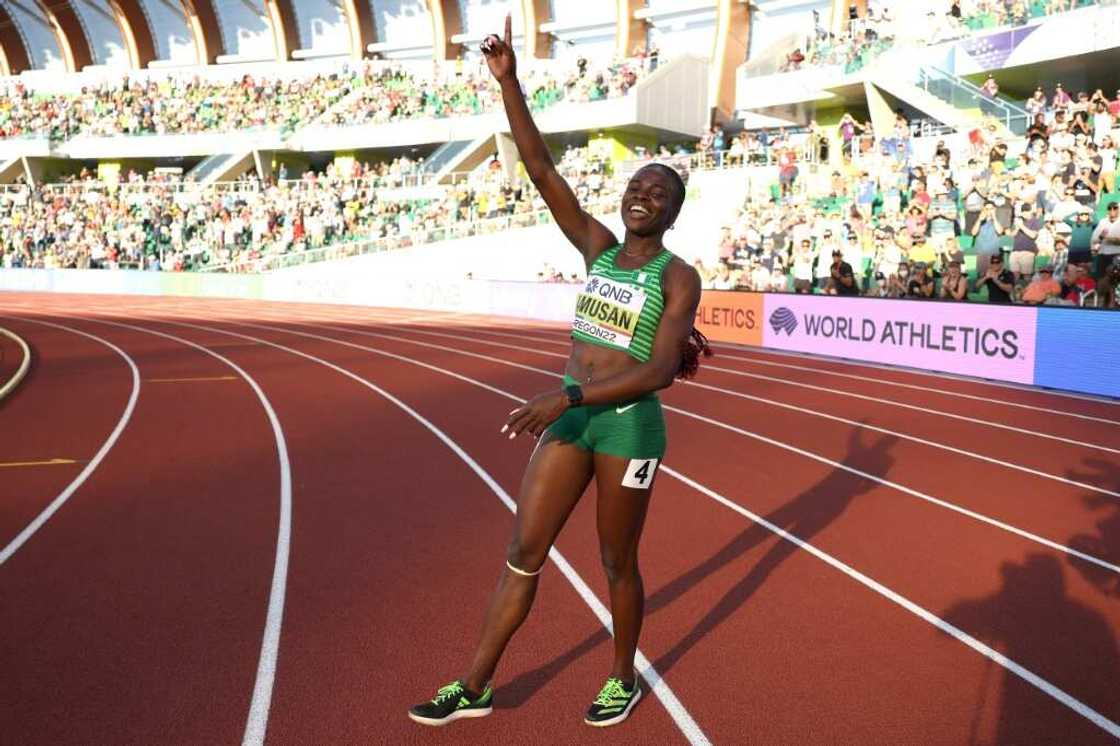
(835, 553)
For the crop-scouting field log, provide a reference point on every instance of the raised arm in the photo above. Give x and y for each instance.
(585, 232)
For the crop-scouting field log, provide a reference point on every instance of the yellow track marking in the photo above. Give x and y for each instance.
(48, 462)
(190, 380)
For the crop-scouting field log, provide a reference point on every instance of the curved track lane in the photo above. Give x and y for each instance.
(804, 639)
(135, 614)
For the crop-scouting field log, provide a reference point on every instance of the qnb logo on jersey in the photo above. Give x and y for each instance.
(624, 294)
(783, 318)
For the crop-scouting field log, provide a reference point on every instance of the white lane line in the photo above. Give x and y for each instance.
(955, 632)
(928, 374)
(923, 389)
(877, 400)
(257, 722)
(915, 408)
(783, 405)
(24, 365)
(731, 428)
(29, 530)
(658, 686)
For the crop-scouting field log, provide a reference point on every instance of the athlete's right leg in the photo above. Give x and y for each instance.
(557, 475)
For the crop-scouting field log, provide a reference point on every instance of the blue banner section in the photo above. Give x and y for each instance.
(1078, 350)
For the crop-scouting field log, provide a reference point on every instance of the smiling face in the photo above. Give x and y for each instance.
(651, 201)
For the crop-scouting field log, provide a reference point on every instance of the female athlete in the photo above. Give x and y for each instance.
(632, 335)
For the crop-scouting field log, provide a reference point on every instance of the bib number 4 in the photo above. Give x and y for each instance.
(639, 473)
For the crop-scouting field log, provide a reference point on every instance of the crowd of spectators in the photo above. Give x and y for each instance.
(162, 222)
(172, 105)
(353, 94)
(888, 23)
(389, 94)
(969, 222)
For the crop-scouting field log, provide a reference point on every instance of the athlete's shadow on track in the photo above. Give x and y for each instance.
(804, 516)
(1032, 621)
(1105, 544)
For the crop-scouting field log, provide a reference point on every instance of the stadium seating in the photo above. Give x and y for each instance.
(839, 181)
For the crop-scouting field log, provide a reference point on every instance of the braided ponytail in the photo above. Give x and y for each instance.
(694, 347)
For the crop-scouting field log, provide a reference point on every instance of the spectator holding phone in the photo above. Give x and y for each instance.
(954, 285)
(999, 281)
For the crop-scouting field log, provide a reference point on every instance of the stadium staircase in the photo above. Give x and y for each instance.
(222, 167)
(11, 169)
(952, 100)
(456, 157)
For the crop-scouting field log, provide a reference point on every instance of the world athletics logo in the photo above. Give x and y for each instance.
(783, 318)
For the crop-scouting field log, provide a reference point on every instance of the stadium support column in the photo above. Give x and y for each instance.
(536, 12)
(13, 52)
(202, 20)
(446, 23)
(630, 32)
(285, 32)
(733, 33)
(135, 31)
(67, 27)
(359, 20)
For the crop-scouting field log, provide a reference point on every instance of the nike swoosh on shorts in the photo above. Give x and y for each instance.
(620, 410)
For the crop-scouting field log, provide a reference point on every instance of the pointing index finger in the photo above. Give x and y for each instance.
(509, 30)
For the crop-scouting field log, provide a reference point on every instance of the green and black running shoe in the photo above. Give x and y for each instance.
(614, 703)
(451, 703)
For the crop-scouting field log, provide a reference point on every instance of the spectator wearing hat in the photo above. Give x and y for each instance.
(954, 285)
(1082, 225)
(998, 280)
(1061, 99)
(1085, 186)
(1042, 288)
(842, 280)
(920, 285)
(1036, 104)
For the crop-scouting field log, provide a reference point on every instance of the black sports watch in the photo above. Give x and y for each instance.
(574, 394)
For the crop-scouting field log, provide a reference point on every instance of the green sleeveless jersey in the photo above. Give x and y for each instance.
(621, 308)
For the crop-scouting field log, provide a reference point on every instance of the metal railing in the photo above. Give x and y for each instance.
(964, 95)
(416, 237)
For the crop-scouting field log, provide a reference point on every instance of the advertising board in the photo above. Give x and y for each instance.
(1078, 350)
(968, 339)
(1071, 349)
(728, 316)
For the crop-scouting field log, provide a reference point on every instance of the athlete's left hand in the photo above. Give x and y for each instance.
(536, 414)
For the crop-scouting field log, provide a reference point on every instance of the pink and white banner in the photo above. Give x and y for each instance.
(969, 339)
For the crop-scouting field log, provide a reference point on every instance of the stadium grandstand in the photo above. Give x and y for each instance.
(250, 137)
(318, 316)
